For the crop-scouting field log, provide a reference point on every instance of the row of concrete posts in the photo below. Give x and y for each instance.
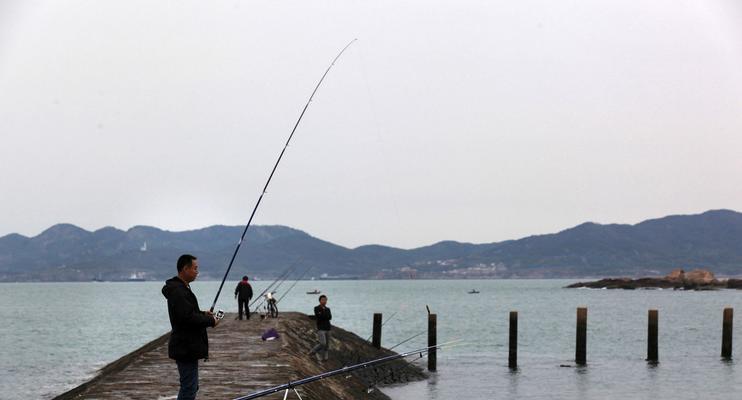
(580, 340)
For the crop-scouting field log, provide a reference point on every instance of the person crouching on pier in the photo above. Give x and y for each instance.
(323, 315)
(188, 340)
(243, 294)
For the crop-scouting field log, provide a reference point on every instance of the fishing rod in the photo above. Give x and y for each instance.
(355, 355)
(292, 385)
(269, 286)
(275, 289)
(407, 340)
(409, 365)
(283, 274)
(292, 286)
(273, 171)
(368, 339)
(275, 304)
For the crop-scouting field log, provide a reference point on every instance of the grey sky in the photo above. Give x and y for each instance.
(469, 120)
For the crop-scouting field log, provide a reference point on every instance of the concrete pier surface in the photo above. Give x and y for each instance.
(240, 362)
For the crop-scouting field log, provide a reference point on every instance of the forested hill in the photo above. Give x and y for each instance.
(65, 252)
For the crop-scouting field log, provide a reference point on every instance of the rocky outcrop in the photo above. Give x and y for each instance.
(700, 277)
(697, 279)
(676, 275)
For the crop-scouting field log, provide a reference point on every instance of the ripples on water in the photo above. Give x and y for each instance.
(56, 335)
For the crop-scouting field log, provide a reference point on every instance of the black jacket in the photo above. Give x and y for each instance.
(188, 340)
(244, 290)
(323, 318)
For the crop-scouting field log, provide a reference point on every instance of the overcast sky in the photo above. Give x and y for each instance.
(476, 121)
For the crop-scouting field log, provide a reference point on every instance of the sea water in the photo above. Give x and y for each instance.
(54, 336)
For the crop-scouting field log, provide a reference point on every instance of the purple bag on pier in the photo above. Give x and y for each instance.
(270, 334)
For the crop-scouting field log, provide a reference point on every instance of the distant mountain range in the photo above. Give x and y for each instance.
(66, 252)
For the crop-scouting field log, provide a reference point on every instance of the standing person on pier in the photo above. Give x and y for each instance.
(188, 339)
(243, 294)
(323, 315)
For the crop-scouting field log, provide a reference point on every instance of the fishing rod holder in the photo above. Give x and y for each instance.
(286, 393)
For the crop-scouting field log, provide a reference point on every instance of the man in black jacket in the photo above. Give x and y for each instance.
(188, 340)
(243, 294)
(323, 315)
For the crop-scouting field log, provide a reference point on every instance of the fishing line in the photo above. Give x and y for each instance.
(292, 286)
(285, 273)
(275, 290)
(387, 320)
(273, 171)
(380, 148)
(407, 340)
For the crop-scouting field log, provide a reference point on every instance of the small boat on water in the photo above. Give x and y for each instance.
(474, 291)
(315, 291)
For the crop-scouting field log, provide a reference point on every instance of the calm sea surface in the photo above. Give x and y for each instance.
(54, 336)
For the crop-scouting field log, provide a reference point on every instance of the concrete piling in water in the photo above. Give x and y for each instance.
(581, 345)
(376, 338)
(652, 341)
(432, 341)
(726, 336)
(513, 344)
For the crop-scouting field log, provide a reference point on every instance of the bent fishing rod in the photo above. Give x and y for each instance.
(273, 171)
(293, 384)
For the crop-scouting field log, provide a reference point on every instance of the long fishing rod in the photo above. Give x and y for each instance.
(275, 289)
(273, 171)
(293, 384)
(292, 286)
(410, 364)
(357, 358)
(269, 286)
(407, 340)
(280, 282)
(368, 339)
(283, 274)
(355, 355)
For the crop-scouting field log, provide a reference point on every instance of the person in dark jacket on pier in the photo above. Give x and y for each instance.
(188, 340)
(323, 315)
(243, 294)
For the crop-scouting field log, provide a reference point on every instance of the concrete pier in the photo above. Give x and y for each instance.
(240, 362)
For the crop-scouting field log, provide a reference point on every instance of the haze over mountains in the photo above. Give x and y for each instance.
(65, 252)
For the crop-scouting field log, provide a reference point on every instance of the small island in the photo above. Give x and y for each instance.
(697, 279)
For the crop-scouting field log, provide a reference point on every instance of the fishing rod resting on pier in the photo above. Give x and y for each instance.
(294, 284)
(292, 385)
(278, 280)
(269, 287)
(262, 296)
(273, 171)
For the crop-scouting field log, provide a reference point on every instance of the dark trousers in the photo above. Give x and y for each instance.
(243, 304)
(188, 371)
